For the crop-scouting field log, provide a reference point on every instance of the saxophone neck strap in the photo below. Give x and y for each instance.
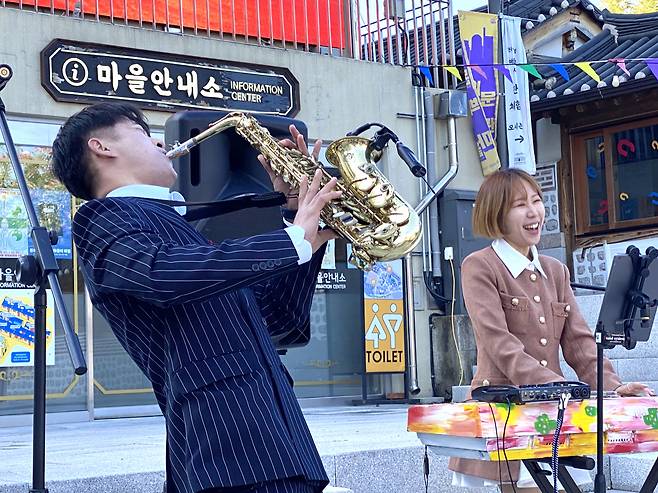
(219, 207)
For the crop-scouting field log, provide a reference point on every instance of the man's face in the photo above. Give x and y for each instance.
(142, 157)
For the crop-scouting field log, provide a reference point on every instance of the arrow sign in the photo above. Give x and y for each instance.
(519, 139)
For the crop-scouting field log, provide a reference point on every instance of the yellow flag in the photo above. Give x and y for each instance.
(586, 67)
(454, 71)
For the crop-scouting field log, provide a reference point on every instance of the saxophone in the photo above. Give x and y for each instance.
(370, 214)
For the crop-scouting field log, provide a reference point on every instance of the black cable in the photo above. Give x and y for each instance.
(509, 411)
(437, 297)
(500, 471)
(562, 406)
(426, 470)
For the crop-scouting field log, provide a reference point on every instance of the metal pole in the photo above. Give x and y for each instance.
(412, 367)
(39, 418)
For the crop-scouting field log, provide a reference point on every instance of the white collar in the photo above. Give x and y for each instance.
(149, 192)
(514, 260)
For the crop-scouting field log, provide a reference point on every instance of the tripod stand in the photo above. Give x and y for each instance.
(627, 294)
(39, 270)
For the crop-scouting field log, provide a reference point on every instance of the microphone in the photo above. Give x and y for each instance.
(379, 141)
(360, 129)
(407, 155)
(5, 75)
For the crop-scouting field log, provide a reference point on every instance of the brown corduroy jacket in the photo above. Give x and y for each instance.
(519, 326)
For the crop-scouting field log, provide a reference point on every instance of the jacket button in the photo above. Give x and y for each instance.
(270, 264)
(255, 267)
(542, 320)
(543, 362)
(533, 277)
(515, 301)
(537, 298)
(567, 308)
(543, 341)
(263, 265)
(485, 382)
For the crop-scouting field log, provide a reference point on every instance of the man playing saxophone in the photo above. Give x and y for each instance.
(196, 317)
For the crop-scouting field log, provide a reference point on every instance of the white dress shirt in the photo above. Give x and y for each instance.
(296, 233)
(514, 260)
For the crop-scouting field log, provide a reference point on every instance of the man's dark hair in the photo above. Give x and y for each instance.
(70, 157)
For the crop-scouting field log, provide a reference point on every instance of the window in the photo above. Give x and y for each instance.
(616, 178)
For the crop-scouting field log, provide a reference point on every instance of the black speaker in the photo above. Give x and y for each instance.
(223, 166)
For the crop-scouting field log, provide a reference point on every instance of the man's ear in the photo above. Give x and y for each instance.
(100, 147)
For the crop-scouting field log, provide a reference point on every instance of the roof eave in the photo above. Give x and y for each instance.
(593, 94)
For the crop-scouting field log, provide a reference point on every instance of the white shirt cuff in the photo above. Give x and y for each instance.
(303, 247)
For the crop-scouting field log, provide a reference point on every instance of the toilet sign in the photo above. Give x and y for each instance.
(384, 319)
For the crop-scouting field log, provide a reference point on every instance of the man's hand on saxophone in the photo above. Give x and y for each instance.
(278, 184)
(312, 200)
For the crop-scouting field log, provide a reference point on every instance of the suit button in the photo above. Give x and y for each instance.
(543, 341)
(255, 267)
(537, 298)
(515, 301)
(485, 382)
(542, 320)
(567, 308)
(533, 277)
(270, 264)
(543, 362)
(277, 262)
(263, 265)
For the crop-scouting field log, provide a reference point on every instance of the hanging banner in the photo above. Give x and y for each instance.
(384, 318)
(479, 35)
(518, 126)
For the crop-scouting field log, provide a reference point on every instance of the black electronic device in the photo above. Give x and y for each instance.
(553, 391)
(531, 393)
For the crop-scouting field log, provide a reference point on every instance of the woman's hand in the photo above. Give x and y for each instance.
(278, 184)
(634, 389)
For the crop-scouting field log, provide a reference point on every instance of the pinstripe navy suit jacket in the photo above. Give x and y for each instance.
(197, 320)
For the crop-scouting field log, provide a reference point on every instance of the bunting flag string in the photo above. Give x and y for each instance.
(586, 66)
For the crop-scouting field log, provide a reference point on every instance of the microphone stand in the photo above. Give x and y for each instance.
(38, 270)
(634, 300)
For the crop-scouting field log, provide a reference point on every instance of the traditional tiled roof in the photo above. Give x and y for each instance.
(533, 13)
(624, 36)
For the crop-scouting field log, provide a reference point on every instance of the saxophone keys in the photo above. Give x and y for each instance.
(384, 231)
(380, 196)
(398, 214)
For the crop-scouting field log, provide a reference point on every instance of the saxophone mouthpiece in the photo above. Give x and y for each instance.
(180, 149)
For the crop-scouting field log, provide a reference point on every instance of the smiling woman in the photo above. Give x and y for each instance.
(522, 310)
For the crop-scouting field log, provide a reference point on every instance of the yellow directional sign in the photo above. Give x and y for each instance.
(384, 336)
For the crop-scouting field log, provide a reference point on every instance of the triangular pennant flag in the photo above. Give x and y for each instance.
(427, 73)
(587, 68)
(652, 63)
(531, 69)
(559, 68)
(504, 70)
(454, 71)
(621, 63)
(479, 70)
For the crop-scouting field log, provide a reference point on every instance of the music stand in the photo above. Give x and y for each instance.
(626, 317)
(39, 270)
